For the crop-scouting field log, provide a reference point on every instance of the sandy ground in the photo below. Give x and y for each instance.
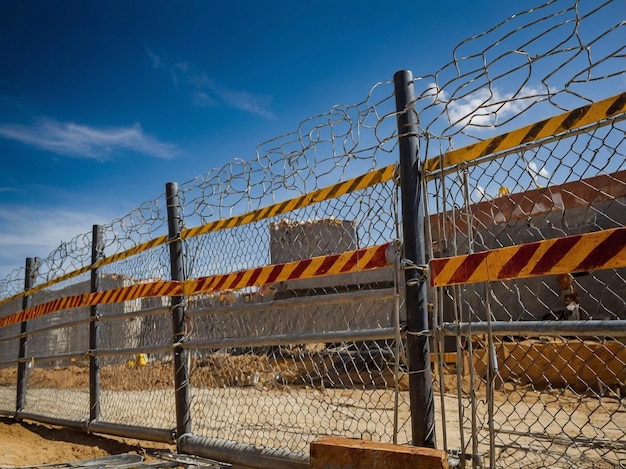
(531, 427)
(29, 443)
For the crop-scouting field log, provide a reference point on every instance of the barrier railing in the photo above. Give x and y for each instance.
(247, 312)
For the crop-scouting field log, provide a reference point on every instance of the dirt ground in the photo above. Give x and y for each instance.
(523, 416)
(29, 443)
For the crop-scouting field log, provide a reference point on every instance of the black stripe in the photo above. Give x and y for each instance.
(534, 131)
(493, 145)
(574, 117)
(617, 106)
(356, 183)
(300, 201)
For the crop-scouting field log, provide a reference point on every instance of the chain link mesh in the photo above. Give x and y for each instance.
(530, 397)
(280, 365)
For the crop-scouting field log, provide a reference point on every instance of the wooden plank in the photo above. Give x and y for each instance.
(346, 453)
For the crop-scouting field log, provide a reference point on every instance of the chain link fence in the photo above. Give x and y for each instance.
(275, 364)
(533, 388)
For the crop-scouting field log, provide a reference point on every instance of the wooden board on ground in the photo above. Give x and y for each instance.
(346, 453)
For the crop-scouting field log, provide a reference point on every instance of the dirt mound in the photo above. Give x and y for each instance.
(34, 444)
(225, 370)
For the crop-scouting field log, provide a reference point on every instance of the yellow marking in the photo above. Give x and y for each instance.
(364, 181)
(575, 119)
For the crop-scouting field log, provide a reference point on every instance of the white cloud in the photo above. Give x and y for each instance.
(438, 95)
(479, 194)
(484, 108)
(245, 101)
(36, 232)
(540, 176)
(204, 91)
(70, 139)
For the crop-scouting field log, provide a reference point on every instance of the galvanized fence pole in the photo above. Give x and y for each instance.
(97, 253)
(414, 260)
(181, 371)
(22, 376)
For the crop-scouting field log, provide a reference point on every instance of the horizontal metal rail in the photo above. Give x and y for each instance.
(592, 328)
(242, 454)
(61, 356)
(54, 327)
(125, 431)
(132, 350)
(382, 333)
(10, 362)
(162, 435)
(76, 424)
(135, 314)
(297, 302)
(80, 322)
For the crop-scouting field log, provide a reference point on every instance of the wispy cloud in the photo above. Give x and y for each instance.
(71, 139)
(156, 60)
(485, 108)
(204, 91)
(35, 232)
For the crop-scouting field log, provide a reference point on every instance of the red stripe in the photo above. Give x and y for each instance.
(300, 268)
(276, 270)
(519, 260)
(255, 275)
(435, 267)
(468, 267)
(555, 253)
(211, 282)
(379, 258)
(116, 295)
(143, 290)
(354, 259)
(236, 280)
(98, 297)
(222, 279)
(328, 262)
(604, 251)
(56, 304)
(199, 284)
(79, 300)
(173, 288)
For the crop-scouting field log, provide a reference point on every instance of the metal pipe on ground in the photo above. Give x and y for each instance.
(243, 454)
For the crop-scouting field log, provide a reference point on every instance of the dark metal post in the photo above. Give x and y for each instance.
(418, 349)
(181, 372)
(97, 253)
(22, 375)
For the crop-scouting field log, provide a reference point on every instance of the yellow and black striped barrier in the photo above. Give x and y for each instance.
(556, 125)
(364, 181)
(369, 179)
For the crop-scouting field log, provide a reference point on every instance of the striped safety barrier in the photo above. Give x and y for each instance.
(369, 179)
(346, 262)
(556, 125)
(592, 251)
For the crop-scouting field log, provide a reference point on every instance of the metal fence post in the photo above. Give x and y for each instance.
(181, 371)
(22, 376)
(418, 349)
(97, 253)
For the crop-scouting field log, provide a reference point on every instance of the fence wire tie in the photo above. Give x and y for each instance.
(424, 333)
(174, 239)
(422, 270)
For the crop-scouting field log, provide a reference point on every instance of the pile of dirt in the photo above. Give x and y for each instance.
(225, 370)
(23, 443)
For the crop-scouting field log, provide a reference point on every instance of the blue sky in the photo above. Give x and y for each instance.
(102, 103)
